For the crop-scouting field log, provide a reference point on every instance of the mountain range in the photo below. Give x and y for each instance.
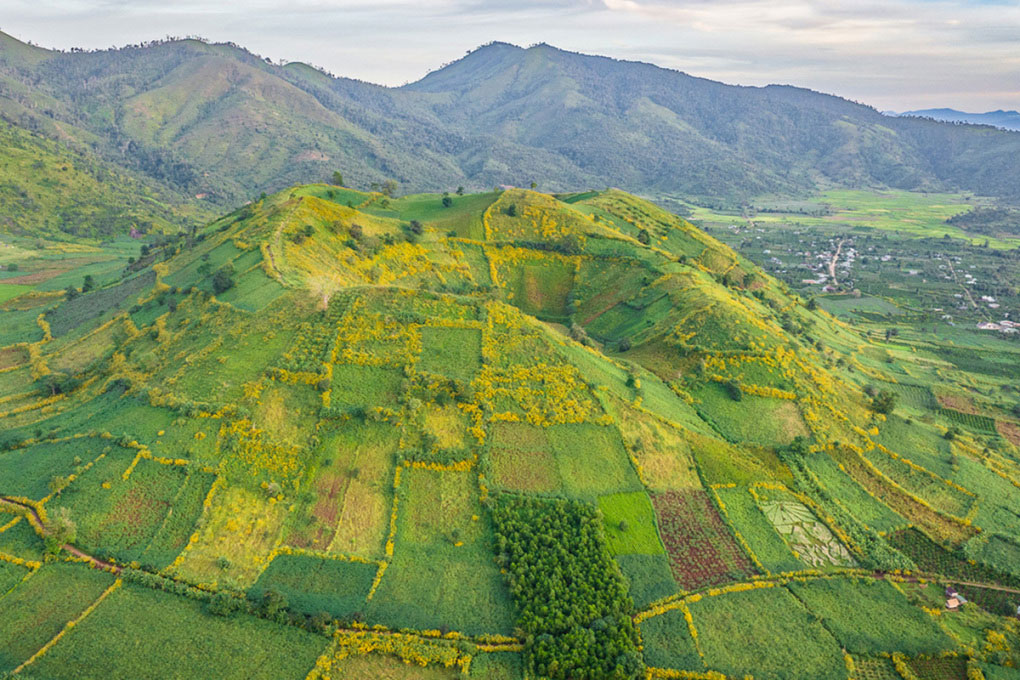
(1007, 120)
(216, 124)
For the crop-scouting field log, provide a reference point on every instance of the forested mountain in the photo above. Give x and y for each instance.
(217, 121)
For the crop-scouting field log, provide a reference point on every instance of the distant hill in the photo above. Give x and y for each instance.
(215, 119)
(1007, 120)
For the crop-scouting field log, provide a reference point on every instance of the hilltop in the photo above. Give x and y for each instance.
(507, 434)
(216, 120)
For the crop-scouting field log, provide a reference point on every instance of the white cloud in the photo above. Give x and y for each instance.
(890, 53)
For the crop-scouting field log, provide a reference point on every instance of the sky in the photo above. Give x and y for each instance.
(892, 54)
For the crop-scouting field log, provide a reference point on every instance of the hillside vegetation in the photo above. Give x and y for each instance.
(499, 435)
(215, 119)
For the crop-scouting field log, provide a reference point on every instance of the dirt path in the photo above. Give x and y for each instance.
(834, 260)
(956, 279)
(94, 561)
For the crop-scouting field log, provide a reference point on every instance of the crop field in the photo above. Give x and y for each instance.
(438, 577)
(313, 584)
(870, 616)
(39, 608)
(764, 631)
(690, 525)
(757, 530)
(503, 436)
(119, 640)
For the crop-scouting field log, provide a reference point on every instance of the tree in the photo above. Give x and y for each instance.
(511, 210)
(447, 201)
(460, 191)
(389, 187)
(357, 232)
(58, 483)
(884, 402)
(338, 178)
(644, 237)
(733, 390)
(12, 267)
(60, 530)
(534, 184)
(71, 293)
(416, 227)
(88, 284)
(223, 279)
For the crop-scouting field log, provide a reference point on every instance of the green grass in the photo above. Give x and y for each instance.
(453, 352)
(758, 420)
(40, 607)
(364, 386)
(10, 576)
(122, 639)
(591, 460)
(9, 291)
(313, 584)
(629, 523)
(668, 643)
(648, 576)
(765, 632)
(27, 472)
(757, 531)
(433, 582)
(21, 540)
(868, 616)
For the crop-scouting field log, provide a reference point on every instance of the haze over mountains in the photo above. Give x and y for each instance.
(214, 120)
(1008, 120)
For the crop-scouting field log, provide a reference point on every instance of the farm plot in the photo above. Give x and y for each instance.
(315, 584)
(591, 460)
(765, 632)
(122, 639)
(861, 504)
(538, 285)
(869, 616)
(926, 485)
(39, 608)
(10, 576)
(759, 420)
(20, 540)
(521, 458)
(356, 387)
(757, 530)
(442, 573)
(668, 642)
(701, 549)
(931, 557)
(453, 352)
(363, 453)
(900, 501)
(121, 517)
(629, 522)
(27, 472)
(806, 535)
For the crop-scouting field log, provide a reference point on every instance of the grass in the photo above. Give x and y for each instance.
(754, 419)
(868, 616)
(757, 531)
(27, 472)
(648, 577)
(120, 639)
(10, 576)
(42, 605)
(442, 574)
(453, 352)
(21, 541)
(862, 505)
(765, 632)
(365, 386)
(591, 460)
(668, 643)
(9, 291)
(521, 458)
(314, 584)
(629, 523)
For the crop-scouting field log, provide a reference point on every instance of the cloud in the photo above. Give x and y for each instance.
(899, 54)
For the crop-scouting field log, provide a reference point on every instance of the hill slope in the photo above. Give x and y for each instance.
(504, 435)
(1008, 120)
(216, 119)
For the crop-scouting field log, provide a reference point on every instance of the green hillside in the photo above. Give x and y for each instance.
(50, 190)
(215, 119)
(502, 435)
